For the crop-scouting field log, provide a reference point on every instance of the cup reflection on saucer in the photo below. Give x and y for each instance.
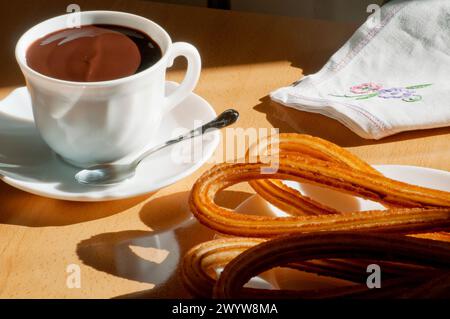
(88, 123)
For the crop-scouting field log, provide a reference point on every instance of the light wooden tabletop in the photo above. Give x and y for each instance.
(115, 244)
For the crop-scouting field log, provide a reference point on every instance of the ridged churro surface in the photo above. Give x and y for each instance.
(316, 238)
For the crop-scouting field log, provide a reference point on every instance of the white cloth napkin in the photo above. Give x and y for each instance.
(393, 74)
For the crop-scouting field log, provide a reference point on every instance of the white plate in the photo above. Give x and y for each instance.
(27, 163)
(291, 279)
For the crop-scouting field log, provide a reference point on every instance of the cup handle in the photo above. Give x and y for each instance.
(194, 65)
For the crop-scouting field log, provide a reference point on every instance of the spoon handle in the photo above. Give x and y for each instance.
(224, 119)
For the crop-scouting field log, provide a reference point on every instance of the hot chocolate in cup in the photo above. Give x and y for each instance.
(102, 118)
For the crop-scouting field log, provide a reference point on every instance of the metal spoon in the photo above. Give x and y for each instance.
(108, 174)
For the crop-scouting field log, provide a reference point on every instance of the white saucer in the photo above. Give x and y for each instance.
(27, 163)
(291, 279)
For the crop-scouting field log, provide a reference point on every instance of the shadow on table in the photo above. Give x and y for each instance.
(16, 209)
(290, 120)
(25, 157)
(153, 256)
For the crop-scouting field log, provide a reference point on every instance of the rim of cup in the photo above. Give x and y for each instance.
(24, 42)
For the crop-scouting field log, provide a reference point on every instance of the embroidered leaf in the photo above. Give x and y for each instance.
(347, 96)
(420, 86)
(367, 96)
(335, 95)
(413, 98)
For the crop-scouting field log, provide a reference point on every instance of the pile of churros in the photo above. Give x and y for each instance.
(408, 240)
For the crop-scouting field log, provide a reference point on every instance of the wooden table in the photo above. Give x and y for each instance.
(245, 56)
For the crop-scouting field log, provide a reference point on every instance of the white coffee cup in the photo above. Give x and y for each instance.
(95, 122)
